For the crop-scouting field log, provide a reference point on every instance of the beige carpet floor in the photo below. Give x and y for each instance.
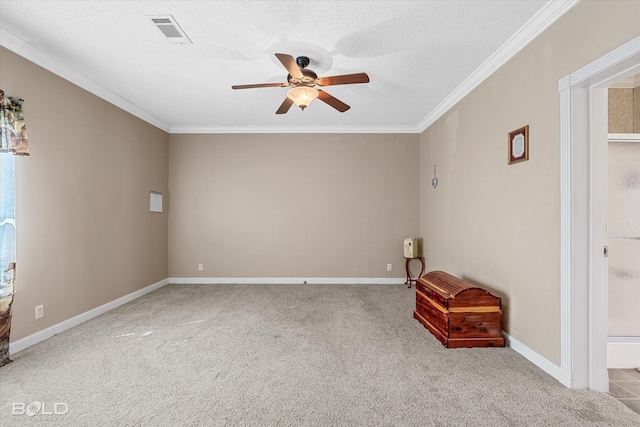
(282, 355)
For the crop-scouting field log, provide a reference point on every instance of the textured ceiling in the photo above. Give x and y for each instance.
(416, 54)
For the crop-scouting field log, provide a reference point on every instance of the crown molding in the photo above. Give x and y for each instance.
(46, 61)
(546, 16)
(38, 57)
(293, 129)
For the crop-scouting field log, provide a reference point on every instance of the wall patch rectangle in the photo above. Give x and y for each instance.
(155, 201)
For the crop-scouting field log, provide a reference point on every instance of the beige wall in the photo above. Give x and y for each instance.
(624, 110)
(636, 109)
(285, 205)
(497, 224)
(302, 205)
(85, 233)
(621, 110)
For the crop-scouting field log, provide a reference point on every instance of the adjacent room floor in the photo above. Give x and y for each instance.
(624, 385)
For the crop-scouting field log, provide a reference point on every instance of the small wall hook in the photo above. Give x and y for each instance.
(434, 181)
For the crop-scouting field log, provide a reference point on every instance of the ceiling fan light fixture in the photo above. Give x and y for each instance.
(302, 82)
(302, 96)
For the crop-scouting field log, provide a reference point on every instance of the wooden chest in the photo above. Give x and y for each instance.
(458, 313)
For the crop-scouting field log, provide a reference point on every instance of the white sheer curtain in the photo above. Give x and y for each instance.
(13, 141)
(7, 222)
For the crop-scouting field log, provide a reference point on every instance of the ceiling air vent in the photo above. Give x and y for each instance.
(170, 28)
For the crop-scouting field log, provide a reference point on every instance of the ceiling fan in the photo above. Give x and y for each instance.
(303, 81)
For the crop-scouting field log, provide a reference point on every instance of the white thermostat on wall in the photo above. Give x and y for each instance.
(411, 247)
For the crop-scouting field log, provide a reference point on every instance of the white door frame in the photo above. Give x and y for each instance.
(583, 212)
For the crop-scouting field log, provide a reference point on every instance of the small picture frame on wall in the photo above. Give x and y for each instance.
(519, 145)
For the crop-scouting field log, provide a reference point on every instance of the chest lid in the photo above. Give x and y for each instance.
(445, 284)
(450, 291)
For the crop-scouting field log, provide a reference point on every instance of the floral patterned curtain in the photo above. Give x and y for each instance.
(13, 140)
(14, 130)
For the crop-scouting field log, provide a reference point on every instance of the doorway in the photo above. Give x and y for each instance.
(584, 238)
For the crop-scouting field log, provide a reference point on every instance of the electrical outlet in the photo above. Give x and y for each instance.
(39, 311)
(389, 267)
(200, 267)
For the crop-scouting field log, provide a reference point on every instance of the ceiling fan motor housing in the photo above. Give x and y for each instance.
(302, 62)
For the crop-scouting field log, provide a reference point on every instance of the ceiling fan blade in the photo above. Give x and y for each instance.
(259, 85)
(290, 64)
(333, 101)
(345, 79)
(286, 104)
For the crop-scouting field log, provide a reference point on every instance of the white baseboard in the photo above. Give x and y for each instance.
(623, 352)
(42, 335)
(286, 280)
(563, 376)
